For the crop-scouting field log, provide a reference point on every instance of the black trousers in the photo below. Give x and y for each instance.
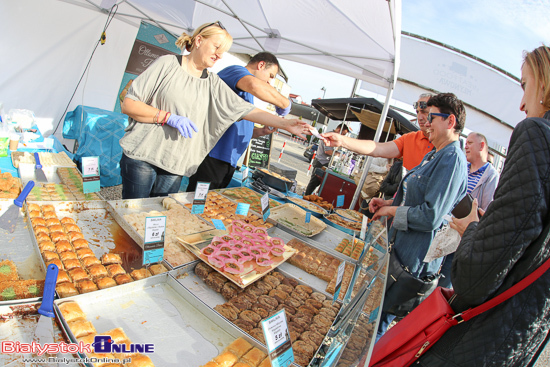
(314, 180)
(218, 173)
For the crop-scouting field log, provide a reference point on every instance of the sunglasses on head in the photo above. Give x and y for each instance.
(431, 116)
(422, 105)
(218, 23)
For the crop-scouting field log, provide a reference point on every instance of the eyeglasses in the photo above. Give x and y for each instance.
(211, 24)
(421, 104)
(432, 114)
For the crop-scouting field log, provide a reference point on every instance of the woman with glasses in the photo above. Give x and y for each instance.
(506, 244)
(425, 195)
(178, 111)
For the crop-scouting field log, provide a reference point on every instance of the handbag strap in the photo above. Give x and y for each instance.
(516, 288)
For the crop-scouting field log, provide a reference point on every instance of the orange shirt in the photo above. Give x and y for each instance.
(413, 147)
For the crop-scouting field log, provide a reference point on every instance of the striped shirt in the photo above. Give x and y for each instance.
(474, 177)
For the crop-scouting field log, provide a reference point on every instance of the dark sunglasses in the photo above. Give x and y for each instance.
(431, 116)
(422, 105)
(211, 24)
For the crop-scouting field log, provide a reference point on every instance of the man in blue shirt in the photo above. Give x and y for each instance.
(248, 82)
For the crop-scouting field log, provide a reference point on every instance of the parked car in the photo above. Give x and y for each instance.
(308, 153)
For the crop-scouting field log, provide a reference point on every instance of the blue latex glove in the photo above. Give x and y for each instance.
(183, 124)
(283, 111)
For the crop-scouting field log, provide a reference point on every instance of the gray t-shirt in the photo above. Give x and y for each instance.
(208, 102)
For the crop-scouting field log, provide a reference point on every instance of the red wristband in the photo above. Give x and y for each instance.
(165, 118)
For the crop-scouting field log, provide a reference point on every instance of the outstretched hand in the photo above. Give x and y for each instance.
(333, 139)
(298, 127)
(460, 225)
(183, 124)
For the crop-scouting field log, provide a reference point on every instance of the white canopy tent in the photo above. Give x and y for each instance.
(491, 95)
(47, 45)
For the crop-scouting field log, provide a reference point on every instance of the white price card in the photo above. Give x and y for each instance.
(277, 339)
(339, 278)
(90, 175)
(364, 224)
(153, 248)
(199, 201)
(245, 175)
(265, 206)
(242, 209)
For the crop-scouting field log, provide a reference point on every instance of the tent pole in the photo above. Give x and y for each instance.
(377, 135)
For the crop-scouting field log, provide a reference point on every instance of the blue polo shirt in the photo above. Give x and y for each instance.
(236, 139)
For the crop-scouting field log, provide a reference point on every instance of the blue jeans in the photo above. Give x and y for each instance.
(385, 321)
(142, 180)
(445, 280)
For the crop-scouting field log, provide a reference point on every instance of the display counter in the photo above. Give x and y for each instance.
(184, 307)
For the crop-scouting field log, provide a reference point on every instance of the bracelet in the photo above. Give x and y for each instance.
(156, 118)
(165, 118)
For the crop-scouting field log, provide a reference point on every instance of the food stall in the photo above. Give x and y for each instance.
(191, 305)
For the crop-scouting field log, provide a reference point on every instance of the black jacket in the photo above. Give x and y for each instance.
(509, 242)
(392, 180)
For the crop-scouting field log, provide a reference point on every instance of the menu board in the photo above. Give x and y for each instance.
(259, 151)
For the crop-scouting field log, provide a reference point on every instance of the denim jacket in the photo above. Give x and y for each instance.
(434, 187)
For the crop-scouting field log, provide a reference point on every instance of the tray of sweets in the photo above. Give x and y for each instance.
(64, 184)
(157, 311)
(309, 310)
(293, 218)
(46, 159)
(248, 196)
(244, 255)
(90, 249)
(350, 214)
(10, 187)
(272, 179)
(220, 207)
(21, 272)
(315, 209)
(342, 224)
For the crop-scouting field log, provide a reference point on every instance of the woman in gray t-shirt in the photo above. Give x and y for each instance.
(177, 113)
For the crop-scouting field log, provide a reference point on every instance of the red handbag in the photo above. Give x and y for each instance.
(411, 337)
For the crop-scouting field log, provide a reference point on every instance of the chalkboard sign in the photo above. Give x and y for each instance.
(260, 149)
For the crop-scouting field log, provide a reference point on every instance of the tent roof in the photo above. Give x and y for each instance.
(366, 110)
(355, 38)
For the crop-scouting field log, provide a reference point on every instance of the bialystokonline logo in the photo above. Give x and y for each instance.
(104, 344)
(101, 344)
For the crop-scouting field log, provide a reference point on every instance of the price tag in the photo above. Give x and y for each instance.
(339, 278)
(218, 223)
(242, 209)
(277, 339)
(90, 174)
(364, 224)
(340, 200)
(265, 206)
(245, 176)
(199, 201)
(153, 250)
(308, 217)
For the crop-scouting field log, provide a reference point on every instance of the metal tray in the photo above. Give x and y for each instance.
(343, 213)
(186, 276)
(254, 194)
(18, 324)
(119, 208)
(99, 228)
(272, 181)
(19, 248)
(304, 205)
(293, 212)
(159, 310)
(341, 228)
(187, 198)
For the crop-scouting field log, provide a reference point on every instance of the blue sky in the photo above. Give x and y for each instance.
(494, 30)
